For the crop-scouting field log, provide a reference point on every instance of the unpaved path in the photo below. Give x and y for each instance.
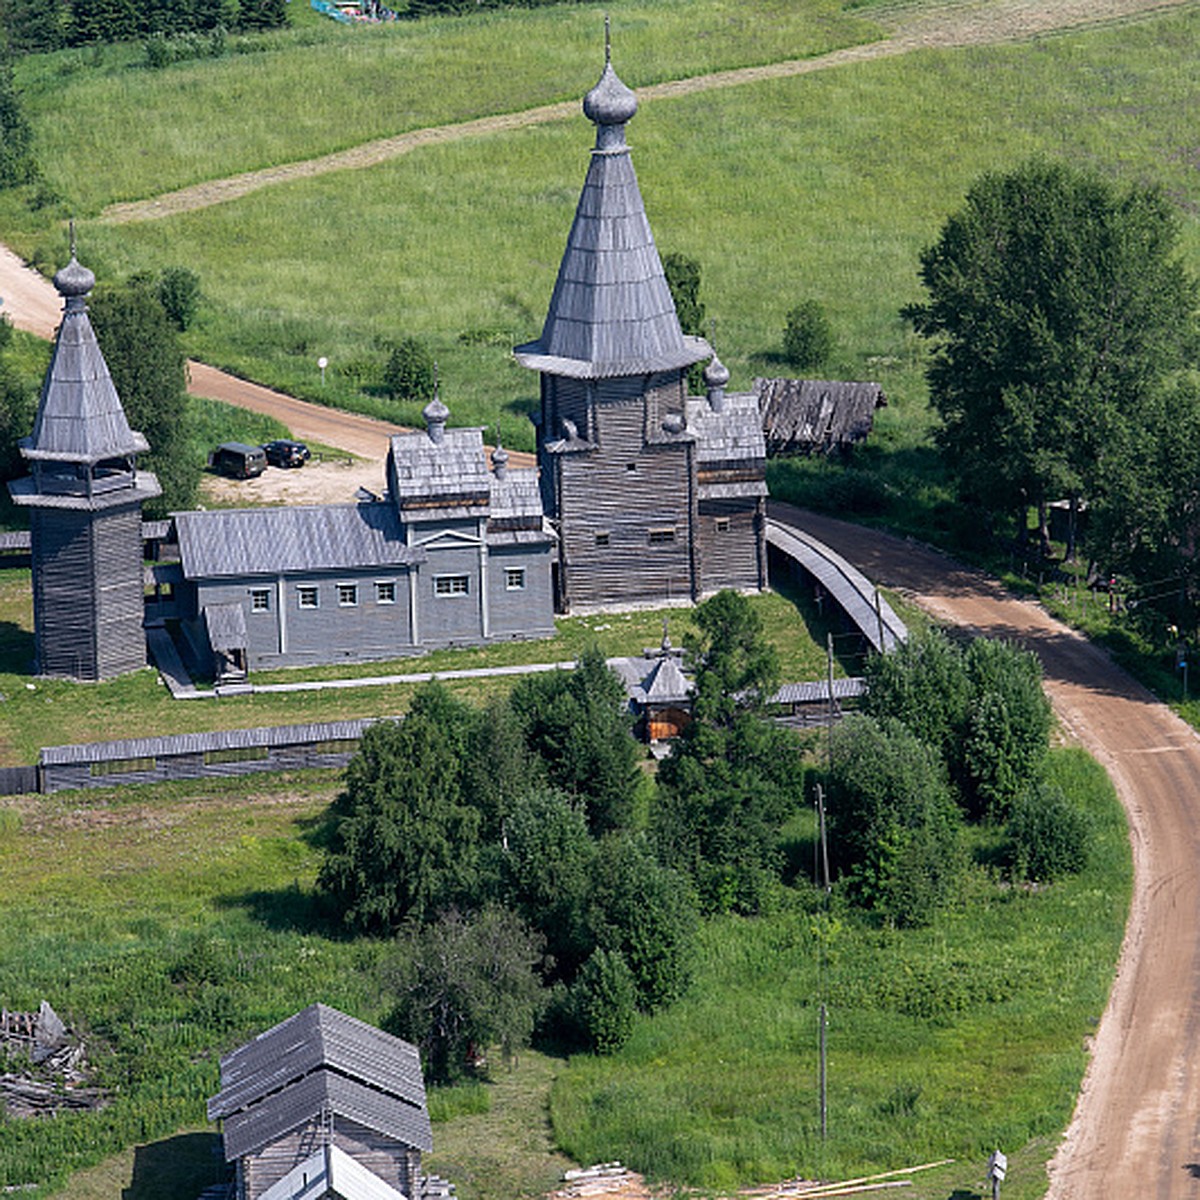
(973, 23)
(1136, 1129)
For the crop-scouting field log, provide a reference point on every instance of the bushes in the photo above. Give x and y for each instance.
(808, 339)
(1050, 837)
(409, 372)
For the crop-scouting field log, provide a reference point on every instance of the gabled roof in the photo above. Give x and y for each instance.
(226, 626)
(424, 472)
(803, 415)
(79, 417)
(611, 313)
(666, 683)
(320, 1059)
(331, 1172)
(280, 541)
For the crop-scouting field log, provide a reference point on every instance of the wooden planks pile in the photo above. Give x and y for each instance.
(51, 1066)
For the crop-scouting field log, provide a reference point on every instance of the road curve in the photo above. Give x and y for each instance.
(1136, 1129)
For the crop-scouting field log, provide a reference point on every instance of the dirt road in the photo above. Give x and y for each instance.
(1136, 1130)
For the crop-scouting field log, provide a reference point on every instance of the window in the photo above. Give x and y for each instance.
(236, 754)
(514, 579)
(260, 600)
(306, 596)
(347, 594)
(451, 585)
(385, 592)
(602, 539)
(631, 466)
(122, 766)
(662, 537)
(722, 524)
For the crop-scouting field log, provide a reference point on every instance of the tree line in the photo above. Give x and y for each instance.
(30, 26)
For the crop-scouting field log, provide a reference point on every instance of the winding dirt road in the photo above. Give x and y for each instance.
(1136, 1129)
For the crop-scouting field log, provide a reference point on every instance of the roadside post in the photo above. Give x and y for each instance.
(997, 1169)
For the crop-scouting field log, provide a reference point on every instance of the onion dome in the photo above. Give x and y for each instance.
(716, 376)
(436, 415)
(74, 280)
(610, 102)
(500, 461)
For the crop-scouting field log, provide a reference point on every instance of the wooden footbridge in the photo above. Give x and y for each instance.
(848, 587)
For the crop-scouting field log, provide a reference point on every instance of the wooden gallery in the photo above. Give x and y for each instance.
(643, 495)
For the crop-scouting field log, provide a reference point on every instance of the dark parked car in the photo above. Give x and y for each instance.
(283, 453)
(238, 461)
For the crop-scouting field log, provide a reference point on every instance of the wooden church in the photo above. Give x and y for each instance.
(643, 494)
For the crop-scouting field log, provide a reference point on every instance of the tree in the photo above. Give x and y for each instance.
(731, 778)
(604, 1000)
(683, 279)
(17, 163)
(179, 294)
(32, 26)
(148, 370)
(403, 843)
(1049, 837)
(18, 406)
(645, 912)
(464, 983)
(408, 374)
(808, 339)
(894, 829)
(1057, 303)
(547, 865)
(578, 724)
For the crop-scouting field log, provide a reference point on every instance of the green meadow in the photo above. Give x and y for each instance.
(825, 185)
(175, 921)
(172, 922)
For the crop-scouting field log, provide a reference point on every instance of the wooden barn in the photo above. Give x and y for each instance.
(324, 1105)
(655, 496)
(816, 416)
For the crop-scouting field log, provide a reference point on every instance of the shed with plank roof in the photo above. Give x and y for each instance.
(816, 416)
(318, 1089)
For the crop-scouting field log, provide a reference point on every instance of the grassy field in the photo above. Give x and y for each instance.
(172, 922)
(826, 185)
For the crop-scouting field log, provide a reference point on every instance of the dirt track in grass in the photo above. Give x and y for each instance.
(971, 23)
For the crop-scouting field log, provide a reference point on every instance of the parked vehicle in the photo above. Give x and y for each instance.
(282, 453)
(238, 461)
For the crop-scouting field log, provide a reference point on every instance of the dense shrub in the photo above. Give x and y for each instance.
(179, 294)
(894, 829)
(1049, 836)
(17, 163)
(604, 1002)
(808, 339)
(408, 373)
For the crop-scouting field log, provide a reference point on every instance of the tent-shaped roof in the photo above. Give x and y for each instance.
(79, 417)
(318, 1060)
(611, 313)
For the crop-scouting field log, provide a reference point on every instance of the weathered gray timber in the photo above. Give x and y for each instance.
(638, 478)
(861, 601)
(318, 1079)
(816, 416)
(224, 752)
(84, 498)
(455, 554)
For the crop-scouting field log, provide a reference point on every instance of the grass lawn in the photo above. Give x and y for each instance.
(942, 1043)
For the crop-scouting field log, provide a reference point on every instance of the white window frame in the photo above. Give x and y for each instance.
(260, 600)
(662, 535)
(385, 591)
(514, 579)
(347, 595)
(447, 586)
(308, 596)
(723, 524)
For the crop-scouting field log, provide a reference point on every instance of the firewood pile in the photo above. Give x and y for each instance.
(44, 1066)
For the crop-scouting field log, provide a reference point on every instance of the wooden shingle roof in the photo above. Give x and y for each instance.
(611, 313)
(806, 416)
(280, 541)
(316, 1060)
(79, 416)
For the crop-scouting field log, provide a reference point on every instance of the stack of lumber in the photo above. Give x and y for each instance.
(47, 1069)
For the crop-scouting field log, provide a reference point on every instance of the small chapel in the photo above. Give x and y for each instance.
(643, 495)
